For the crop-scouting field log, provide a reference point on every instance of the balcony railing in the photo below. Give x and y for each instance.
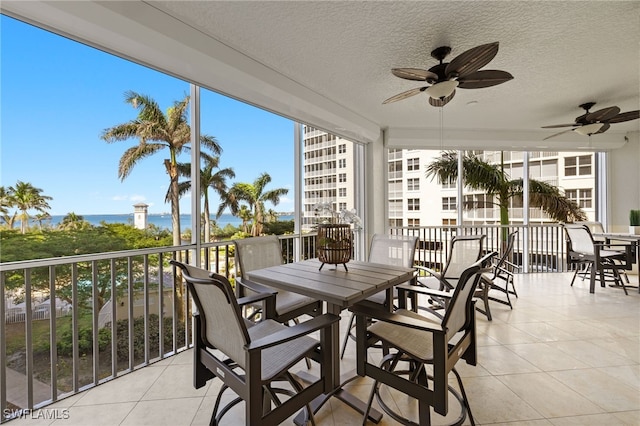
(125, 310)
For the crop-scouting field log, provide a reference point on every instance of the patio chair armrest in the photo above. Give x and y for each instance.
(424, 290)
(378, 314)
(512, 265)
(253, 298)
(254, 286)
(291, 333)
(427, 270)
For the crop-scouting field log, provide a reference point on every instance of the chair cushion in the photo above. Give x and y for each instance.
(287, 301)
(417, 343)
(279, 358)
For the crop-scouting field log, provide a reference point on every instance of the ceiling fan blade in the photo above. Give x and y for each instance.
(472, 60)
(415, 74)
(603, 114)
(440, 102)
(405, 95)
(557, 134)
(485, 78)
(625, 116)
(555, 126)
(604, 128)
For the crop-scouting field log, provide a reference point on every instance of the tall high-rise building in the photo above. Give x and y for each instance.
(328, 174)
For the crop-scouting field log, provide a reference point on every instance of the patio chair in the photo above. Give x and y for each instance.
(422, 341)
(250, 358)
(389, 250)
(599, 258)
(500, 279)
(463, 252)
(597, 228)
(263, 252)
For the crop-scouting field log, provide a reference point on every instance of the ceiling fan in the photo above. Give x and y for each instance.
(592, 123)
(462, 72)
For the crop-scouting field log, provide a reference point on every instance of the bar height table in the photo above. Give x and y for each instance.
(339, 289)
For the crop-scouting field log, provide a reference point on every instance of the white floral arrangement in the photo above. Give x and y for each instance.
(330, 215)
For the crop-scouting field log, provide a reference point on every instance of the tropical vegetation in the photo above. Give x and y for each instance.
(255, 196)
(158, 132)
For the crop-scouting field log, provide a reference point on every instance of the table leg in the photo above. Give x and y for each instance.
(353, 402)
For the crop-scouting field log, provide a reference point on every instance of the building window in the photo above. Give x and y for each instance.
(450, 183)
(395, 223)
(342, 177)
(342, 148)
(342, 206)
(342, 192)
(395, 169)
(577, 166)
(413, 164)
(413, 204)
(449, 203)
(342, 163)
(582, 197)
(413, 184)
(448, 222)
(413, 222)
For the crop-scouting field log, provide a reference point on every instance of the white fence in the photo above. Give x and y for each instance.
(15, 315)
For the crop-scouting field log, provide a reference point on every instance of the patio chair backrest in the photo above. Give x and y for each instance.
(398, 250)
(508, 250)
(580, 238)
(456, 317)
(465, 251)
(258, 252)
(222, 325)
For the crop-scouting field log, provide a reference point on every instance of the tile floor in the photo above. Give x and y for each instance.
(562, 356)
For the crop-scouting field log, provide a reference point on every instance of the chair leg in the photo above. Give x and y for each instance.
(464, 396)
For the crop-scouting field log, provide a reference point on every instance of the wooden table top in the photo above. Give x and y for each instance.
(333, 284)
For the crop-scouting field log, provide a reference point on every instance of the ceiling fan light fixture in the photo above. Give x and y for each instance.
(588, 129)
(443, 89)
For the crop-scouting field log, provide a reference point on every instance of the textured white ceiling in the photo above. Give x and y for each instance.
(561, 54)
(331, 60)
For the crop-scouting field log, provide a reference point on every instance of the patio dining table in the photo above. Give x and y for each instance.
(633, 239)
(340, 289)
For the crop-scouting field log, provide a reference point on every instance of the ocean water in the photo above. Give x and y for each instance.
(159, 220)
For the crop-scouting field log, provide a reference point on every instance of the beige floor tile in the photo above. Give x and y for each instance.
(175, 382)
(171, 412)
(591, 420)
(499, 360)
(549, 396)
(493, 402)
(607, 392)
(104, 414)
(129, 387)
(627, 374)
(507, 334)
(627, 347)
(591, 354)
(543, 331)
(545, 357)
(629, 417)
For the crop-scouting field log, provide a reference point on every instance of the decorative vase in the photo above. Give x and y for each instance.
(634, 230)
(334, 244)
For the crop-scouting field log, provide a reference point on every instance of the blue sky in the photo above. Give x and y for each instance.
(57, 97)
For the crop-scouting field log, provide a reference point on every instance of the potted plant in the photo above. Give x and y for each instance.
(335, 237)
(634, 222)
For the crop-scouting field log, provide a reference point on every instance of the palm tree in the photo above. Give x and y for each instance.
(245, 214)
(7, 201)
(27, 197)
(73, 221)
(41, 217)
(491, 178)
(208, 179)
(156, 132)
(255, 196)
